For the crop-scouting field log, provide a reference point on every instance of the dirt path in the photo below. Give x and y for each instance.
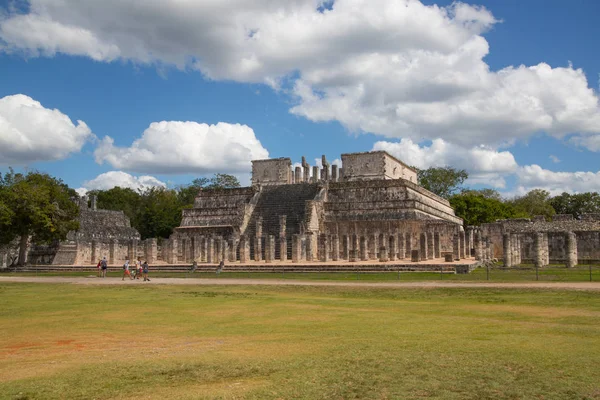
(593, 286)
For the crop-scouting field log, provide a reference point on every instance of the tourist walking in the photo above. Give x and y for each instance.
(138, 268)
(104, 266)
(126, 270)
(220, 267)
(99, 266)
(194, 267)
(145, 271)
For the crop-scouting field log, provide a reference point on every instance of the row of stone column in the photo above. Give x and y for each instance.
(328, 173)
(541, 253)
(150, 250)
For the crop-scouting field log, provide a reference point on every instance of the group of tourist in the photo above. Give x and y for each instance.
(140, 269)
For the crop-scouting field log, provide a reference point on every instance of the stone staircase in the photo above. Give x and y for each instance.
(288, 200)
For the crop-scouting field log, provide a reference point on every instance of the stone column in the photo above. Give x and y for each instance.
(423, 247)
(258, 249)
(218, 249)
(283, 253)
(184, 247)
(408, 242)
(546, 249)
(298, 175)
(232, 246)
(151, 250)
(393, 248)
(507, 250)
(95, 252)
(306, 168)
(571, 241)
(469, 240)
(478, 243)
(429, 245)
(383, 253)
(258, 240)
(270, 249)
(132, 248)
(345, 247)
(335, 247)
(315, 171)
(353, 253)
(515, 243)
(244, 249)
(323, 248)
(296, 248)
(94, 202)
(334, 173)
(210, 250)
(309, 247)
(364, 255)
(455, 247)
(112, 251)
(401, 245)
(437, 245)
(203, 249)
(373, 247)
(462, 244)
(538, 250)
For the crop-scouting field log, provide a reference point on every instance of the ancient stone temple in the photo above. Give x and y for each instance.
(371, 209)
(564, 240)
(102, 233)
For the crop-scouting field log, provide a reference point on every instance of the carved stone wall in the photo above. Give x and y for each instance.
(276, 171)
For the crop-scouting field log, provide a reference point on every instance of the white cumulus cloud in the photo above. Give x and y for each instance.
(172, 147)
(111, 179)
(396, 68)
(484, 165)
(30, 132)
(535, 177)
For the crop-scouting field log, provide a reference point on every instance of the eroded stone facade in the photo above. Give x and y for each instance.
(371, 209)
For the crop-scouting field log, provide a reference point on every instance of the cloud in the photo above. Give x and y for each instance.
(554, 158)
(111, 179)
(29, 132)
(484, 165)
(174, 147)
(591, 143)
(396, 68)
(534, 177)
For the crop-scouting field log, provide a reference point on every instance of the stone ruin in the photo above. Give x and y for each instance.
(102, 233)
(371, 209)
(564, 240)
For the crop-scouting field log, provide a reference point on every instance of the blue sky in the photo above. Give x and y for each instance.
(168, 91)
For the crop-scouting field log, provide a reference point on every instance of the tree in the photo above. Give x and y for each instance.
(120, 199)
(443, 181)
(478, 207)
(39, 206)
(535, 202)
(576, 204)
(160, 213)
(187, 194)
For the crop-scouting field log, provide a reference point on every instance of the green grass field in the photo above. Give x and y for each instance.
(62, 341)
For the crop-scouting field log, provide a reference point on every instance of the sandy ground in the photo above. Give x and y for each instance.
(92, 280)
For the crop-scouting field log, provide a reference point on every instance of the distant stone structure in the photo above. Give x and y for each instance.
(371, 209)
(102, 233)
(564, 240)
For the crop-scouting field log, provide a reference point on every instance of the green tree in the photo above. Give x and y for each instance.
(120, 199)
(443, 181)
(187, 194)
(160, 213)
(576, 204)
(35, 205)
(535, 202)
(478, 207)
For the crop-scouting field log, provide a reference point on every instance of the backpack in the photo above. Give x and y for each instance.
(104, 265)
